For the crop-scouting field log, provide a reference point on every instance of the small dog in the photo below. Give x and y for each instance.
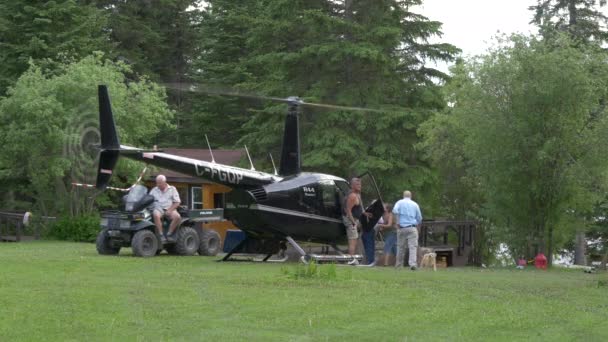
(428, 260)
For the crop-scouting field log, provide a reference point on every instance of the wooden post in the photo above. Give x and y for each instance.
(18, 230)
(460, 240)
(36, 230)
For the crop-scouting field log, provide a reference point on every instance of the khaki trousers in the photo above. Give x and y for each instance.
(407, 237)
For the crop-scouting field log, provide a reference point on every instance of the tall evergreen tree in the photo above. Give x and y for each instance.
(40, 30)
(583, 20)
(355, 53)
(220, 68)
(159, 39)
(156, 37)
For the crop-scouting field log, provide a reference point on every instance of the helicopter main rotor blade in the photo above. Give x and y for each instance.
(222, 92)
(328, 106)
(218, 91)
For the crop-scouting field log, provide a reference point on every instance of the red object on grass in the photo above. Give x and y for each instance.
(540, 261)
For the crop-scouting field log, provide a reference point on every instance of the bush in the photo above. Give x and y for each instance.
(311, 270)
(82, 228)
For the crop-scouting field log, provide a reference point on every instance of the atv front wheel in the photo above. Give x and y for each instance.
(144, 243)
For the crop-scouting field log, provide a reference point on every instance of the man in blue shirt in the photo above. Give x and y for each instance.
(408, 218)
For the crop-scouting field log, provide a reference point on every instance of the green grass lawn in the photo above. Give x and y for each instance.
(61, 291)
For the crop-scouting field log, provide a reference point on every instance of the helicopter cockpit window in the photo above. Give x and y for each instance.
(331, 198)
(343, 186)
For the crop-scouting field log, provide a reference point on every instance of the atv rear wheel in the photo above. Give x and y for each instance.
(187, 241)
(211, 243)
(144, 243)
(104, 247)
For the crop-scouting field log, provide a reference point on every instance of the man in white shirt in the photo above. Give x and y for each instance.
(408, 218)
(166, 201)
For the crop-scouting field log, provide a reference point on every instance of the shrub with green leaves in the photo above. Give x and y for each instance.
(83, 228)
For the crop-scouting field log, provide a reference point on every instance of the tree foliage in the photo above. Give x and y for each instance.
(158, 39)
(46, 31)
(532, 123)
(51, 124)
(354, 53)
(583, 20)
(585, 23)
(220, 68)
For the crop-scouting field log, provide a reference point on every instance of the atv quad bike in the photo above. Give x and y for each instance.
(135, 227)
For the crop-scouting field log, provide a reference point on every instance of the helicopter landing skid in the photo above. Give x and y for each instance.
(234, 255)
(256, 258)
(323, 258)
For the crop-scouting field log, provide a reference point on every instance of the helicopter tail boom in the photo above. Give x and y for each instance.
(111, 149)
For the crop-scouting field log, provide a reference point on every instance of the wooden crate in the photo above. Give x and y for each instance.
(442, 262)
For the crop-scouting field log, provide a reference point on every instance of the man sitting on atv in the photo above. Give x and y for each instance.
(166, 201)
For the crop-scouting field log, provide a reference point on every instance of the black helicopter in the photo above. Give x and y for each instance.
(272, 209)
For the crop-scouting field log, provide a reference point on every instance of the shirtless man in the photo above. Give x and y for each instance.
(352, 211)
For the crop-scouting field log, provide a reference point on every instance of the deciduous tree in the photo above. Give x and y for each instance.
(532, 124)
(50, 125)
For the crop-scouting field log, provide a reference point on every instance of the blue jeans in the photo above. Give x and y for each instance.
(390, 242)
(369, 245)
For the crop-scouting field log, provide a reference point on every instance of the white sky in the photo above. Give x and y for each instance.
(471, 24)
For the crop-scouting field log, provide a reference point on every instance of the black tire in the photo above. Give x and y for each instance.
(144, 243)
(187, 241)
(211, 243)
(103, 244)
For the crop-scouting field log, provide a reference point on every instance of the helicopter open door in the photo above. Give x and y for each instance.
(372, 201)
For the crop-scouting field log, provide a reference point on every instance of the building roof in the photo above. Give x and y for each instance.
(226, 157)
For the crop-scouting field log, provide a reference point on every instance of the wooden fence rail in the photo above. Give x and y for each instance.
(13, 226)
